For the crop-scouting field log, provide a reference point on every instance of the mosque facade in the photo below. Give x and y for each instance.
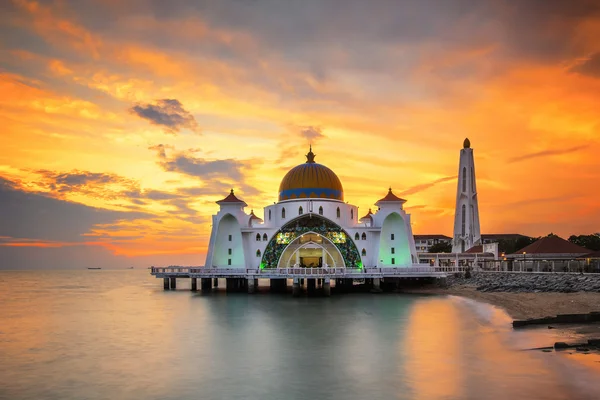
(311, 225)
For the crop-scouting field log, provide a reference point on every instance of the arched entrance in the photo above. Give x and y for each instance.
(311, 250)
(308, 234)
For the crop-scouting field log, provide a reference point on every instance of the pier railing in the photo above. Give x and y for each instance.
(303, 272)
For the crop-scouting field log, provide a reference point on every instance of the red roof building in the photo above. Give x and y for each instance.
(551, 247)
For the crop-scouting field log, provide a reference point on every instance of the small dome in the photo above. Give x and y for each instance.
(467, 143)
(311, 180)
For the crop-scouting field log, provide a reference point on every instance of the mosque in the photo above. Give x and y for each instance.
(311, 226)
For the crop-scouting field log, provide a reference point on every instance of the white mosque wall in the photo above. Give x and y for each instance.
(229, 248)
(274, 214)
(232, 220)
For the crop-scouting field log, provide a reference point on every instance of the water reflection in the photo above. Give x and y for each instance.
(432, 349)
(119, 335)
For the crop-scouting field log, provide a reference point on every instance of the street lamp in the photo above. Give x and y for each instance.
(525, 259)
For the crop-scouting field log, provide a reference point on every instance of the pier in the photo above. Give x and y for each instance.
(238, 279)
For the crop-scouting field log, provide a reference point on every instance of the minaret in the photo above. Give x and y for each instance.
(466, 215)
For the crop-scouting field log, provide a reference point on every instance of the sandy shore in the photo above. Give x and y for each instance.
(527, 305)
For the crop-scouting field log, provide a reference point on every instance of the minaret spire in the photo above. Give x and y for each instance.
(467, 232)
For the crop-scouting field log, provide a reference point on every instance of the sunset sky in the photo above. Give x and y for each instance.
(122, 122)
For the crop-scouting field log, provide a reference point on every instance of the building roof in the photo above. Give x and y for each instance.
(391, 197)
(369, 215)
(311, 180)
(252, 216)
(553, 245)
(502, 236)
(427, 237)
(231, 199)
(595, 254)
(475, 249)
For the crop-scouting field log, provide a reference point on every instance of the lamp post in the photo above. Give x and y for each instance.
(525, 259)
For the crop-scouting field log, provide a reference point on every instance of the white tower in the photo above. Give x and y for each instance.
(466, 216)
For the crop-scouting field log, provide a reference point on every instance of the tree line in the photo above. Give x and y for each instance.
(508, 246)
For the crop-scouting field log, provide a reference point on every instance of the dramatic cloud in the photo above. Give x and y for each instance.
(168, 113)
(387, 103)
(589, 66)
(93, 184)
(425, 186)
(311, 133)
(199, 167)
(547, 153)
(35, 216)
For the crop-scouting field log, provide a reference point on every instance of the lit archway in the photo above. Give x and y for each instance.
(311, 250)
(316, 224)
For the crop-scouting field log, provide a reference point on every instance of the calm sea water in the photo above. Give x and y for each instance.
(117, 335)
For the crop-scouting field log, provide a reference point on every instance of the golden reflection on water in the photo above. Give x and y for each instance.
(432, 354)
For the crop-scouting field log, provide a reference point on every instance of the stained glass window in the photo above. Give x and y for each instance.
(285, 237)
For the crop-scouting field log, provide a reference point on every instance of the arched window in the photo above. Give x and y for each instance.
(258, 237)
(265, 237)
(269, 215)
(338, 212)
(352, 214)
(464, 219)
(473, 181)
(356, 236)
(364, 252)
(300, 210)
(320, 210)
(283, 213)
(258, 253)
(364, 236)
(464, 179)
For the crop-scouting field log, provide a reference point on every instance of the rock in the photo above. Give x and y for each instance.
(561, 345)
(551, 327)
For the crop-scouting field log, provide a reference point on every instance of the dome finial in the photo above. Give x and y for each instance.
(467, 143)
(310, 157)
(231, 191)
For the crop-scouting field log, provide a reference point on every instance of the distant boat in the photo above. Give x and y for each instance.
(94, 268)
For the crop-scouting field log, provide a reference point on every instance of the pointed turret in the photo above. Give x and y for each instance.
(231, 199)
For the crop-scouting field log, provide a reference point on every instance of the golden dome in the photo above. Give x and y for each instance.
(311, 180)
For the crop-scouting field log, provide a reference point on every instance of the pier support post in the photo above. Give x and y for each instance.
(166, 283)
(296, 287)
(326, 287)
(216, 282)
(206, 284)
(349, 284)
(173, 283)
(194, 285)
(251, 288)
(311, 286)
(278, 285)
(376, 285)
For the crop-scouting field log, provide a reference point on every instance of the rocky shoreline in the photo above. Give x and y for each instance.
(527, 282)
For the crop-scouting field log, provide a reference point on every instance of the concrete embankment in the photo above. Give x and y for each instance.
(528, 282)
